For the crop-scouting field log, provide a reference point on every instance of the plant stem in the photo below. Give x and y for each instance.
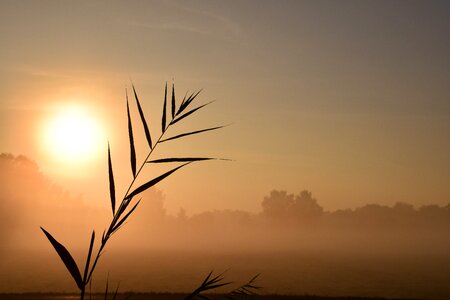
(118, 212)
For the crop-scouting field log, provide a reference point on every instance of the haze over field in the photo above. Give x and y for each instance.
(339, 173)
(374, 250)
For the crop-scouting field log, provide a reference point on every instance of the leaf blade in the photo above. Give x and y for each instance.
(215, 286)
(144, 122)
(88, 260)
(173, 101)
(125, 217)
(112, 189)
(180, 159)
(163, 121)
(191, 133)
(67, 259)
(188, 101)
(153, 182)
(190, 112)
(132, 149)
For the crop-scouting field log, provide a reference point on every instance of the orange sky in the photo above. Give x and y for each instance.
(349, 100)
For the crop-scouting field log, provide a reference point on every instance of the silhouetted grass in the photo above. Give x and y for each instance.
(207, 285)
(248, 289)
(126, 208)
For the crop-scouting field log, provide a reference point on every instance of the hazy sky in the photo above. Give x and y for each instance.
(348, 99)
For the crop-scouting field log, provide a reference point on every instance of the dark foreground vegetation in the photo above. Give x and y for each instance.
(177, 296)
(298, 248)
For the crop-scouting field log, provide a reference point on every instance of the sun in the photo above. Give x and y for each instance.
(73, 135)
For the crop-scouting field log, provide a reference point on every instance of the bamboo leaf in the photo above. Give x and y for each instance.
(249, 284)
(132, 150)
(191, 133)
(164, 110)
(112, 189)
(67, 259)
(182, 103)
(188, 101)
(173, 101)
(210, 287)
(190, 112)
(192, 98)
(207, 284)
(88, 260)
(153, 182)
(144, 123)
(181, 159)
(126, 216)
(206, 279)
(247, 289)
(122, 207)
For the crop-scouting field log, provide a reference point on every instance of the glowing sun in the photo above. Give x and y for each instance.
(72, 134)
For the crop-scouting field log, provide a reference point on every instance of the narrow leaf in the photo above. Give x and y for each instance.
(253, 280)
(67, 259)
(112, 189)
(192, 98)
(216, 279)
(173, 101)
(88, 260)
(117, 290)
(182, 103)
(132, 150)
(188, 101)
(126, 216)
(153, 182)
(190, 133)
(123, 206)
(164, 110)
(144, 123)
(248, 288)
(206, 279)
(181, 159)
(210, 287)
(190, 112)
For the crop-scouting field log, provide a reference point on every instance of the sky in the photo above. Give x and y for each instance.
(347, 99)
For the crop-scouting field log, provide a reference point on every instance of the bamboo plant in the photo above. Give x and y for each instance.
(178, 112)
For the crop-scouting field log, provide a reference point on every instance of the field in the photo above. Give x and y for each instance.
(324, 274)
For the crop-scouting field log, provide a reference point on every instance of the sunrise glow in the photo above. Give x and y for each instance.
(73, 135)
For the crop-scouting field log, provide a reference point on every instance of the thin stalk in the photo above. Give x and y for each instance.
(118, 211)
(82, 293)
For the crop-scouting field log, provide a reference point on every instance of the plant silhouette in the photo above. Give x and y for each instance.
(128, 204)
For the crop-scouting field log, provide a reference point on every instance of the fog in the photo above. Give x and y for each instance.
(296, 245)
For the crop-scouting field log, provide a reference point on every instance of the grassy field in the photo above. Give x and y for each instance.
(324, 274)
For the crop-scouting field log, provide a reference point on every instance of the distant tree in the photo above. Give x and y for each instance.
(301, 208)
(433, 214)
(305, 207)
(277, 204)
(27, 197)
